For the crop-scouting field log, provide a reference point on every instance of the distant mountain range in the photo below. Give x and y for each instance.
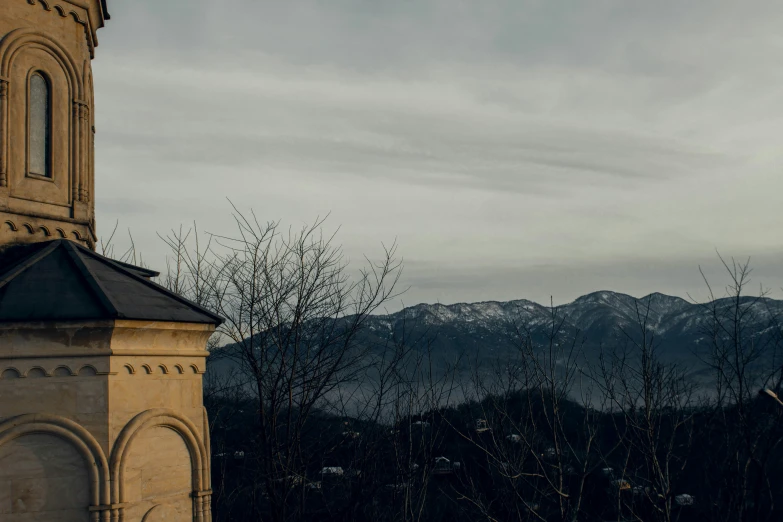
(603, 319)
(483, 332)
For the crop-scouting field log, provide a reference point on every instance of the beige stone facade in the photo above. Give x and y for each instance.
(103, 421)
(100, 419)
(55, 39)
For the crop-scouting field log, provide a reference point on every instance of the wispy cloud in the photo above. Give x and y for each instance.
(529, 133)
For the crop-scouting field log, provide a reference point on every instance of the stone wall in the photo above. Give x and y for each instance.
(115, 405)
(42, 477)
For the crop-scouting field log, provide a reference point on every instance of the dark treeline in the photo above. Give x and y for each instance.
(491, 473)
(310, 422)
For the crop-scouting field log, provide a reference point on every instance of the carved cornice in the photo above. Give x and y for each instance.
(74, 221)
(106, 353)
(24, 230)
(120, 340)
(86, 370)
(83, 19)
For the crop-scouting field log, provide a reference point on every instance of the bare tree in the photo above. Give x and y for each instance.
(652, 415)
(130, 255)
(741, 441)
(293, 317)
(294, 369)
(535, 426)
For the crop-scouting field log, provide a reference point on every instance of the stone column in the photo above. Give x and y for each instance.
(202, 505)
(208, 508)
(84, 117)
(3, 132)
(75, 142)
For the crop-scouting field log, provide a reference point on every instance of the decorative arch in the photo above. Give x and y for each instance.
(179, 368)
(61, 232)
(88, 32)
(44, 4)
(162, 367)
(71, 432)
(147, 368)
(63, 371)
(18, 39)
(10, 46)
(88, 370)
(130, 369)
(86, 75)
(207, 440)
(172, 420)
(36, 372)
(77, 18)
(29, 228)
(45, 230)
(148, 515)
(12, 226)
(10, 373)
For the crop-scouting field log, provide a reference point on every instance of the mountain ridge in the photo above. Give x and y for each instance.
(490, 330)
(602, 318)
(655, 295)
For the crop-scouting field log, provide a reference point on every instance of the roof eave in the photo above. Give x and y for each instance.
(217, 320)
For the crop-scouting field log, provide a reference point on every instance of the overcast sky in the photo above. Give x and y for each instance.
(515, 149)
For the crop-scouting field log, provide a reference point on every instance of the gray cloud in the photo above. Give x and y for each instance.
(482, 135)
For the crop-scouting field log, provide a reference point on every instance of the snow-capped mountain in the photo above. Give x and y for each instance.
(488, 332)
(602, 319)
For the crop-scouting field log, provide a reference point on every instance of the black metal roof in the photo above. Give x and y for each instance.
(143, 272)
(105, 10)
(62, 281)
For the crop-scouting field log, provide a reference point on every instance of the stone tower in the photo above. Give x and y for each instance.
(101, 409)
(47, 119)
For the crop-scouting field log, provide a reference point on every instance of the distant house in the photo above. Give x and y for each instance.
(291, 480)
(684, 500)
(444, 466)
(531, 507)
(622, 485)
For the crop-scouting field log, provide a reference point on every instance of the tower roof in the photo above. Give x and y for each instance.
(61, 280)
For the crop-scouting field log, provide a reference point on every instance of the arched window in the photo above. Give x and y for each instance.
(40, 126)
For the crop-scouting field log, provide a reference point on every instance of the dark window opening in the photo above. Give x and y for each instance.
(40, 135)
